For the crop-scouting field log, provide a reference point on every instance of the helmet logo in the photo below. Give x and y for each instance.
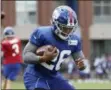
(55, 14)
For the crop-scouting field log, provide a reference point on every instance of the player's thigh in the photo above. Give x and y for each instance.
(15, 70)
(35, 82)
(13, 75)
(7, 70)
(60, 84)
(29, 81)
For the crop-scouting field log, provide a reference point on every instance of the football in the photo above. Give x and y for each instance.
(40, 50)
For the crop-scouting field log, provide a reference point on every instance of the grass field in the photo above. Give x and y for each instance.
(78, 85)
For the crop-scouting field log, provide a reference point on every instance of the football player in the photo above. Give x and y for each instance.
(12, 57)
(42, 71)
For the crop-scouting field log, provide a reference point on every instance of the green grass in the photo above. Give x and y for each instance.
(81, 85)
(18, 85)
(92, 85)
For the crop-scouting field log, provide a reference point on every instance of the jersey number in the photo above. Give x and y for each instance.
(15, 47)
(59, 57)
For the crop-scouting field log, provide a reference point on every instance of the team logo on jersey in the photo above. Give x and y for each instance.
(72, 42)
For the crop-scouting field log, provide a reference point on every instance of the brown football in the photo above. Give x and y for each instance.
(40, 50)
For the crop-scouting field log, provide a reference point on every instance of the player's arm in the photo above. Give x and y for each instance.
(2, 51)
(79, 59)
(30, 56)
(2, 56)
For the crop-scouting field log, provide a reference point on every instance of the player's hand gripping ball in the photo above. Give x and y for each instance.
(47, 53)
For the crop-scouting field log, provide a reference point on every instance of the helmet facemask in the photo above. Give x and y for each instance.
(64, 31)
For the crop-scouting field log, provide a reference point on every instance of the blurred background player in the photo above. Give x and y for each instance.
(12, 59)
(107, 66)
(42, 71)
(103, 66)
(100, 64)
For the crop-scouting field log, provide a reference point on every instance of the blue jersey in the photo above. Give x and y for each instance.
(45, 36)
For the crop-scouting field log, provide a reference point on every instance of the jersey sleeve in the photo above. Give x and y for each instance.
(36, 38)
(79, 45)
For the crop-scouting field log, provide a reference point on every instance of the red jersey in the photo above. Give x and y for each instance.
(12, 51)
